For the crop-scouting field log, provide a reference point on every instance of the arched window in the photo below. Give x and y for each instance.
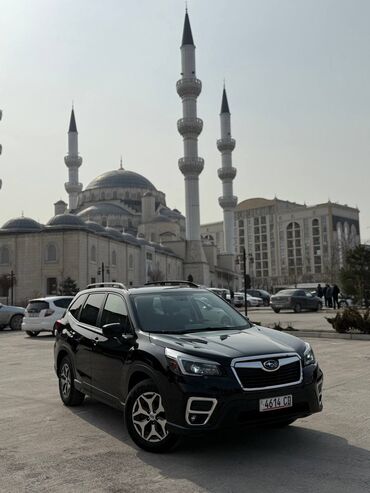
(130, 261)
(114, 258)
(127, 195)
(51, 253)
(102, 196)
(4, 255)
(114, 195)
(93, 254)
(104, 222)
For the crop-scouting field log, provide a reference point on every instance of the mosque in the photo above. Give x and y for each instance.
(119, 227)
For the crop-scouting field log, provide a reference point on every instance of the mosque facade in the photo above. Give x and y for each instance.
(119, 227)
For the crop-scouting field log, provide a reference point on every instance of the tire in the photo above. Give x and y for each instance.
(67, 390)
(16, 322)
(266, 302)
(318, 307)
(297, 308)
(276, 310)
(144, 405)
(32, 333)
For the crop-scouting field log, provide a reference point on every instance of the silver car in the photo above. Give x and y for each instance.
(12, 316)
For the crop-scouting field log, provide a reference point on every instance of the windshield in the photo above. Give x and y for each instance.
(185, 311)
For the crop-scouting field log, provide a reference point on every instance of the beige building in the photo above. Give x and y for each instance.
(42, 257)
(288, 243)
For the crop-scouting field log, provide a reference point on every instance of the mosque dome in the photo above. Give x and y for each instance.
(120, 178)
(114, 233)
(93, 226)
(104, 208)
(66, 220)
(22, 224)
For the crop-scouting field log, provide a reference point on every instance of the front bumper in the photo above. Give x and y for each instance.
(237, 408)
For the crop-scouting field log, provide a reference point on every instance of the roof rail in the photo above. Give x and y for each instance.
(106, 285)
(172, 283)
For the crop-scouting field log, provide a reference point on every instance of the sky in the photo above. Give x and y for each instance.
(297, 76)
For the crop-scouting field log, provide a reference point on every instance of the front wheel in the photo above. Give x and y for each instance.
(16, 322)
(67, 390)
(146, 419)
(32, 333)
(297, 308)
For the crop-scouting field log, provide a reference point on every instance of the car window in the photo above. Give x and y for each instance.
(63, 302)
(36, 306)
(76, 306)
(114, 311)
(287, 292)
(90, 311)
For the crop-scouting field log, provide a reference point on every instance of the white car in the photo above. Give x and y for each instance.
(253, 301)
(42, 313)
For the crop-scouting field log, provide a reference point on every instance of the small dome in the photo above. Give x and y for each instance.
(22, 224)
(120, 178)
(104, 208)
(148, 194)
(98, 228)
(114, 233)
(66, 220)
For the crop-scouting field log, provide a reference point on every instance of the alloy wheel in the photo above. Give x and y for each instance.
(65, 380)
(148, 417)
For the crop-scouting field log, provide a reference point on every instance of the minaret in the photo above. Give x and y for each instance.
(73, 162)
(190, 126)
(226, 174)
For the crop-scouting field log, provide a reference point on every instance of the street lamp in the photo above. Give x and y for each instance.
(102, 270)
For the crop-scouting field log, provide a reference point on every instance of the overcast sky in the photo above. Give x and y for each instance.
(297, 75)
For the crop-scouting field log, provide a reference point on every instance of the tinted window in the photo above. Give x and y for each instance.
(37, 306)
(76, 305)
(90, 311)
(63, 302)
(187, 311)
(114, 311)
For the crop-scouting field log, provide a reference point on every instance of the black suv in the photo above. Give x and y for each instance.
(178, 359)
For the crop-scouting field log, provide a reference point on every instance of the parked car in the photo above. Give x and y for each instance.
(344, 301)
(254, 301)
(260, 293)
(42, 313)
(12, 316)
(295, 299)
(156, 355)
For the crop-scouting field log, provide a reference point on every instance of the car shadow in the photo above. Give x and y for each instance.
(290, 460)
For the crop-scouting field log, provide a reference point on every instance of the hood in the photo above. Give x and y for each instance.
(229, 344)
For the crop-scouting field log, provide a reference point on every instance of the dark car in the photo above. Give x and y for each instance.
(260, 293)
(295, 299)
(166, 357)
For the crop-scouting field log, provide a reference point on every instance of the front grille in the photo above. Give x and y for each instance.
(252, 375)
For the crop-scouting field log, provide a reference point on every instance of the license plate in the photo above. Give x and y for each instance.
(278, 402)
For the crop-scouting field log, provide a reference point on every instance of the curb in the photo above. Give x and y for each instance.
(327, 335)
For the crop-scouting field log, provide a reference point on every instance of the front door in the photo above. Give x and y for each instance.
(110, 353)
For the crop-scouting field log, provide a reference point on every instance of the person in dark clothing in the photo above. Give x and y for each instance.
(232, 294)
(319, 292)
(329, 296)
(336, 292)
(324, 289)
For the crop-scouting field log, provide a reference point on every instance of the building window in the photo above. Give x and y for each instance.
(4, 256)
(104, 222)
(293, 234)
(51, 253)
(130, 261)
(102, 196)
(114, 258)
(51, 285)
(114, 195)
(93, 254)
(93, 280)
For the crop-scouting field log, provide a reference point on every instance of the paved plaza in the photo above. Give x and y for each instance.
(47, 447)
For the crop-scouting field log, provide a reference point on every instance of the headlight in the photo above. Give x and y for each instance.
(308, 356)
(186, 364)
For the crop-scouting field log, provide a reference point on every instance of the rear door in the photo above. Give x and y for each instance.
(83, 316)
(110, 353)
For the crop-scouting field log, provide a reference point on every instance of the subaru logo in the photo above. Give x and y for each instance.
(271, 364)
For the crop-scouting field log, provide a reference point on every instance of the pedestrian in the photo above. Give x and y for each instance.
(232, 294)
(324, 289)
(329, 296)
(319, 292)
(336, 292)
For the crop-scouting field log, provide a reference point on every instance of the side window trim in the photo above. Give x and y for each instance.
(131, 325)
(81, 306)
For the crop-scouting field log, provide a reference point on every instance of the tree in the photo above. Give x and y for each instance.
(155, 275)
(5, 284)
(68, 287)
(355, 276)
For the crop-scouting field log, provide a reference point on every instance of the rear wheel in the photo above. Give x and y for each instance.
(266, 302)
(297, 308)
(67, 390)
(16, 322)
(146, 419)
(318, 307)
(276, 310)
(32, 333)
